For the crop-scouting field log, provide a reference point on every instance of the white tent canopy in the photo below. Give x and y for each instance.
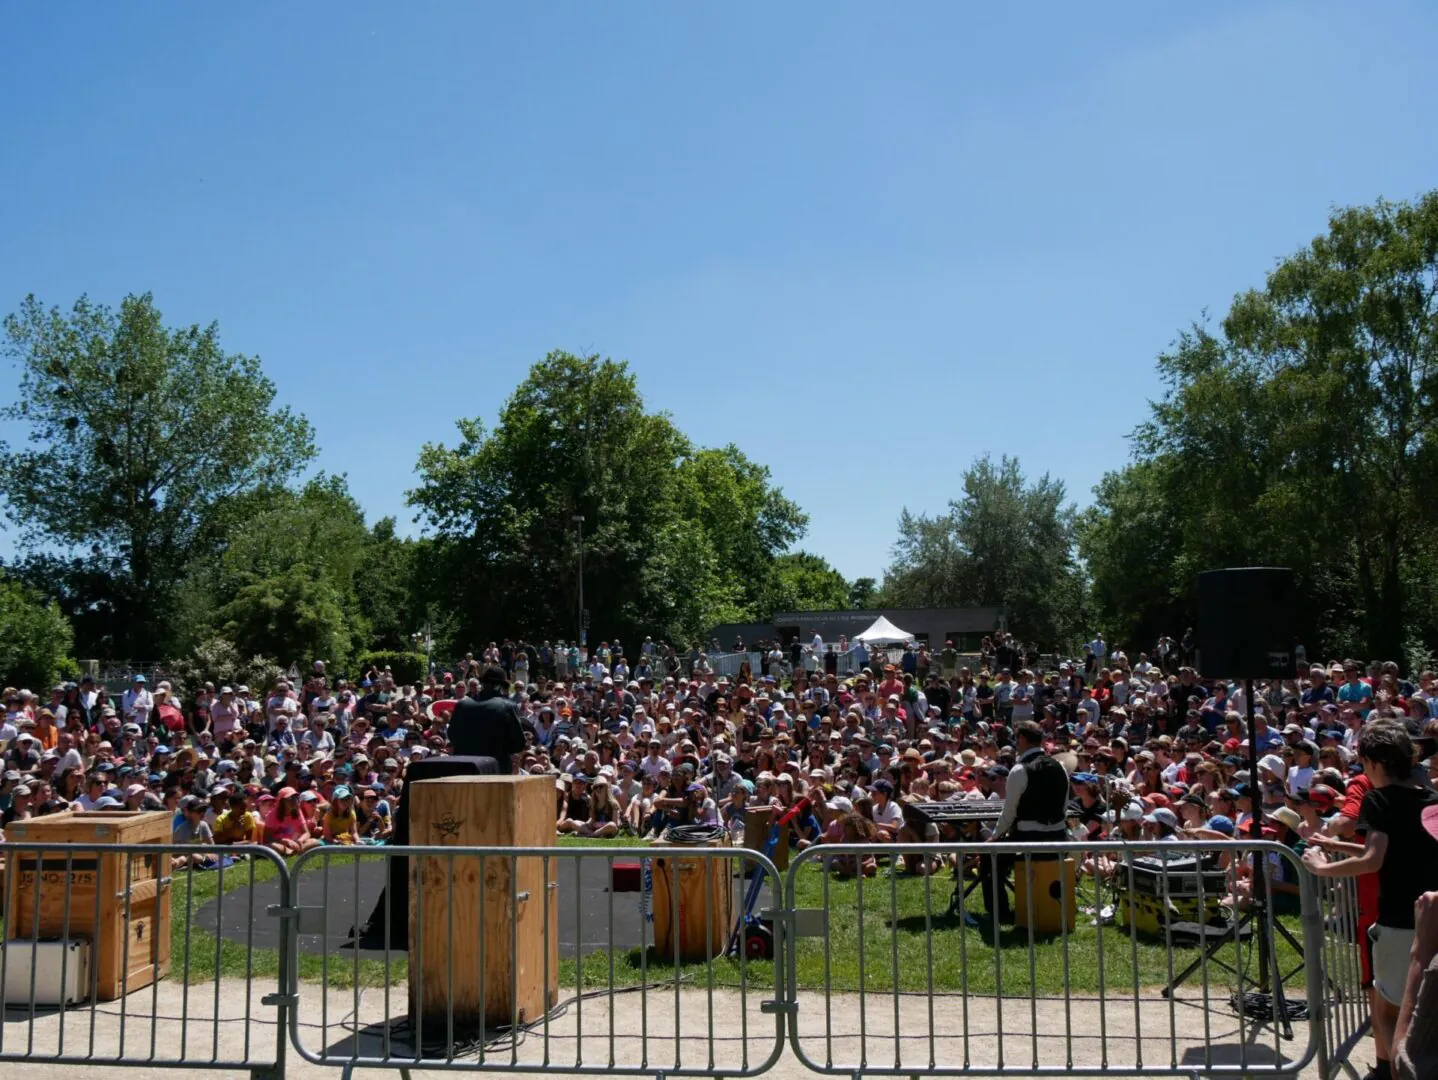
(883, 632)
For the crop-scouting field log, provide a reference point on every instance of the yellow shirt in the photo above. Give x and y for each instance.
(235, 827)
(341, 826)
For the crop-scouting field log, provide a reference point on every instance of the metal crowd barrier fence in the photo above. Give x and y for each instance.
(1088, 980)
(870, 958)
(528, 960)
(1347, 1020)
(151, 977)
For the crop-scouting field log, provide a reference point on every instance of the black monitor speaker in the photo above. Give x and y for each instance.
(396, 895)
(1246, 624)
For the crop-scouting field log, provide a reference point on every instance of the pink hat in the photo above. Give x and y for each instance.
(1430, 820)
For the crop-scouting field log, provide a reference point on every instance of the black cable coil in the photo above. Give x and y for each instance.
(693, 835)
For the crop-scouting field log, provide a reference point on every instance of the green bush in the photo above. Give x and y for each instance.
(220, 661)
(406, 667)
(35, 639)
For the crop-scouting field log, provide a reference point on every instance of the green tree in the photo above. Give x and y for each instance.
(1005, 543)
(674, 538)
(295, 613)
(139, 441)
(863, 593)
(1130, 542)
(384, 587)
(1300, 433)
(308, 547)
(800, 581)
(35, 638)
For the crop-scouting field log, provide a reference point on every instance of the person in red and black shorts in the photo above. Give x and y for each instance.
(1392, 818)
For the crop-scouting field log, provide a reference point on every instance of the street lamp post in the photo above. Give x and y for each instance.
(578, 520)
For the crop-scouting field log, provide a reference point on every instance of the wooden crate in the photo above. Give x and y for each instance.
(446, 925)
(128, 924)
(705, 907)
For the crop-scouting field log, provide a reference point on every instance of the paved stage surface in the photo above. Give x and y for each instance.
(334, 1024)
(348, 889)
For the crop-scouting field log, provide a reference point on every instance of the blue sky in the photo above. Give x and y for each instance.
(864, 242)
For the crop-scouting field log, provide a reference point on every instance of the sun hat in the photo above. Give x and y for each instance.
(1287, 816)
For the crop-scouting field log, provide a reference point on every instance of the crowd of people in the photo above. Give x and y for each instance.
(1145, 749)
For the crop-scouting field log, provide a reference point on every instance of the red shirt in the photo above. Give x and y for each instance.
(1353, 796)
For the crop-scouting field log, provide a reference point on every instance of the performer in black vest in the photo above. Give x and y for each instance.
(1035, 805)
(487, 724)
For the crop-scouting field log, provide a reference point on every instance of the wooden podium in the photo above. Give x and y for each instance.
(127, 925)
(477, 942)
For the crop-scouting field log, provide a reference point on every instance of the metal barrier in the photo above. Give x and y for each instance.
(219, 1006)
(1347, 1021)
(912, 986)
(888, 974)
(644, 999)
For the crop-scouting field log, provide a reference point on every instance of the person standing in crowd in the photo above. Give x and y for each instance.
(1035, 809)
(1400, 851)
(486, 723)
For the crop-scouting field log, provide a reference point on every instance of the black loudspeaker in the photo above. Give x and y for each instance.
(370, 934)
(1246, 623)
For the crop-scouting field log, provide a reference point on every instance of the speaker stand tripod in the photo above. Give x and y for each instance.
(1268, 962)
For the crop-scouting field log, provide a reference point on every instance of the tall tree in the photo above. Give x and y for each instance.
(1301, 433)
(137, 438)
(1130, 543)
(863, 593)
(1005, 542)
(800, 581)
(288, 582)
(673, 538)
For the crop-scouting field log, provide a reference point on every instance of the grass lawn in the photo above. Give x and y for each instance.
(898, 943)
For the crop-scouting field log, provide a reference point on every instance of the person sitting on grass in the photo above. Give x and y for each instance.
(192, 829)
(340, 822)
(604, 812)
(374, 820)
(285, 829)
(311, 809)
(855, 828)
(237, 825)
(637, 813)
(574, 806)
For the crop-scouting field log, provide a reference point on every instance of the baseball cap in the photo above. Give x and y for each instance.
(1222, 823)
(342, 792)
(840, 804)
(1163, 816)
(1274, 764)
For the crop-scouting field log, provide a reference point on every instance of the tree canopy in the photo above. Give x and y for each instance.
(1005, 543)
(1297, 432)
(139, 442)
(34, 638)
(155, 484)
(674, 538)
